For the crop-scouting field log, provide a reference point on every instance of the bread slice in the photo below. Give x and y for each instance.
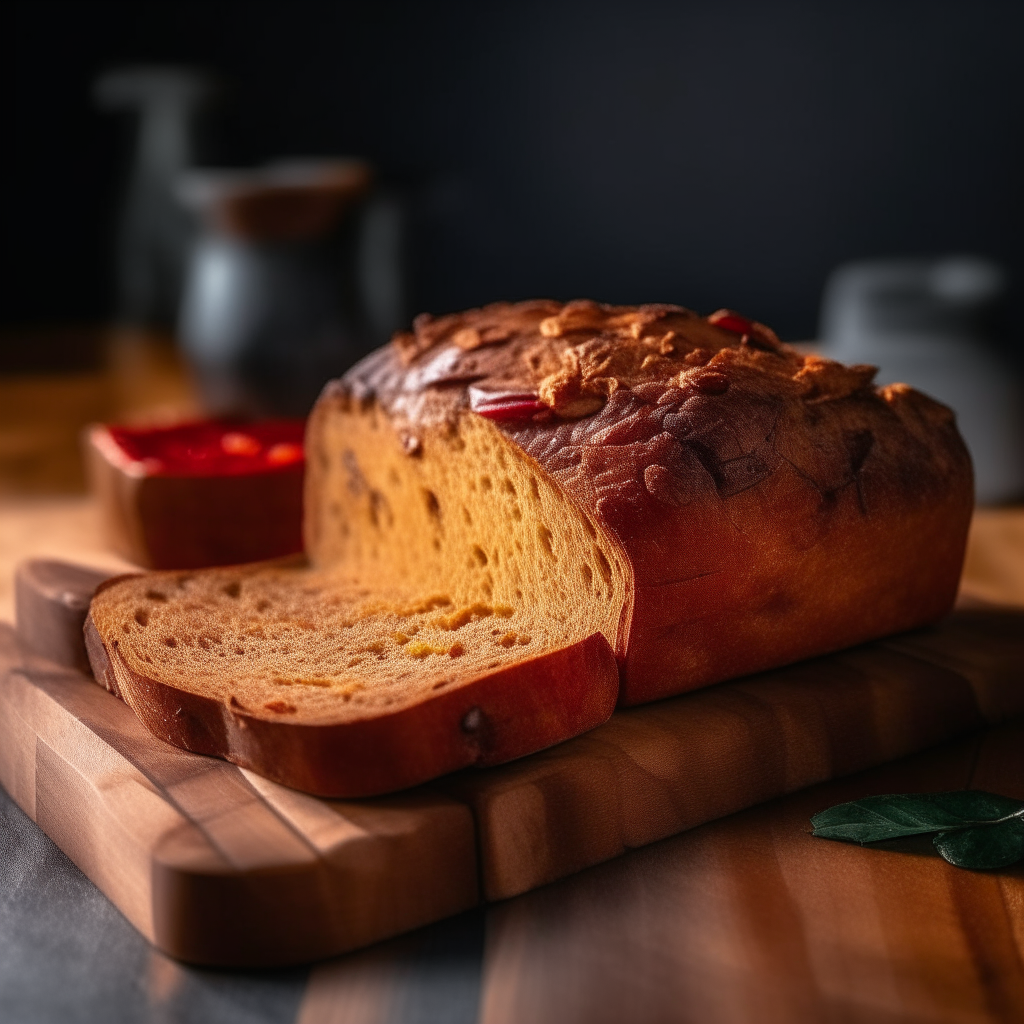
(337, 688)
(501, 498)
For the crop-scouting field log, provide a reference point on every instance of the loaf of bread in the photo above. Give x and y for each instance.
(500, 499)
(711, 500)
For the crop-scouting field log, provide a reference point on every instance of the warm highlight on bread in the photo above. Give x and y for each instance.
(496, 492)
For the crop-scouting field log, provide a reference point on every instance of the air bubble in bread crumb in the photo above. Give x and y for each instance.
(141, 616)
(433, 505)
(420, 650)
(545, 537)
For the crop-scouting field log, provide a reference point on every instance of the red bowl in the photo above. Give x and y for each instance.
(212, 492)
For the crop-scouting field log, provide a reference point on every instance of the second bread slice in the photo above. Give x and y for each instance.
(313, 680)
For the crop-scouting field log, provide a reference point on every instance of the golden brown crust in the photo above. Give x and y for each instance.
(771, 505)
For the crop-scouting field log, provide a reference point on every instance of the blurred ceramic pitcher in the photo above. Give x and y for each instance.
(275, 302)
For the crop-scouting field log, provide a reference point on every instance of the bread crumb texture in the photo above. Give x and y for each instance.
(309, 645)
(469, 514)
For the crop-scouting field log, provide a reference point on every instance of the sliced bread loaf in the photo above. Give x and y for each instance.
(716, 503)
(496, 497)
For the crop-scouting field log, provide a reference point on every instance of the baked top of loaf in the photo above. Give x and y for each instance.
(571, 359)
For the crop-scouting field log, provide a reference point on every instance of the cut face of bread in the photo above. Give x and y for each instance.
(465, 514)
(280, 641)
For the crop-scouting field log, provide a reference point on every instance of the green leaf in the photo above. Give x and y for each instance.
(984, 848)
(976, 829)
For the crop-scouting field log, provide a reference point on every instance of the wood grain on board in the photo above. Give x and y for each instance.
(749, 918)
(653, 771)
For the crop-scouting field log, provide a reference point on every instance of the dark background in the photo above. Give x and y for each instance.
(707, 153)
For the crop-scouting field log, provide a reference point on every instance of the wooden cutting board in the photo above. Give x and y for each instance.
(217, 866)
